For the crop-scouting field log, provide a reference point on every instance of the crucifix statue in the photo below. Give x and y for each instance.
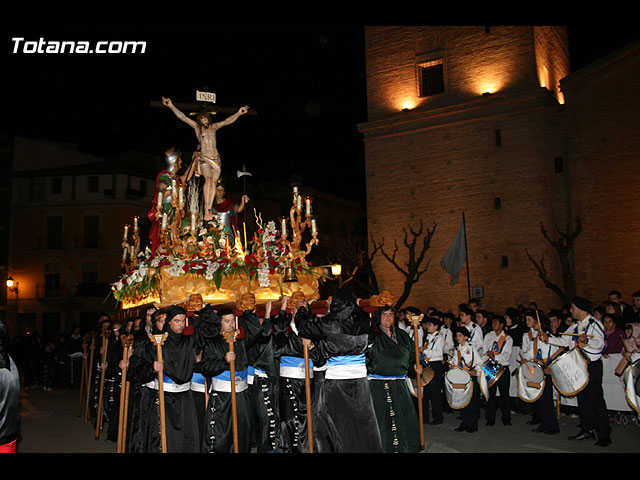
(206, 160)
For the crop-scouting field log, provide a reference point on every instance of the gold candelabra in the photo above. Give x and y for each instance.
(298, 227)
(130, 250)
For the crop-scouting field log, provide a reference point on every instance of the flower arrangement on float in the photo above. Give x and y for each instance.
(266, 255)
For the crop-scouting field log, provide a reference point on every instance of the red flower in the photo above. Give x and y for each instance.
(309, 263)
(185, 268)
(234, 265)
(251, 273)
(271, 271)
(299, 268)
(297, 260)
(259, 231)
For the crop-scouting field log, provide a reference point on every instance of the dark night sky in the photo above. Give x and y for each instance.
(307, 84)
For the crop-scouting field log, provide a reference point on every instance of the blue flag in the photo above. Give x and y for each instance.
(455, 257)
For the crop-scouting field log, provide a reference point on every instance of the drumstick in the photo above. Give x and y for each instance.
(574, 334)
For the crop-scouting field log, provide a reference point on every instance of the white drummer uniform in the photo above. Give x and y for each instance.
(540, 351)
(468, 358)
(447, 335)
(434, 347)
(589, 326)
(501, 344)
(476, 339)
(527, 338)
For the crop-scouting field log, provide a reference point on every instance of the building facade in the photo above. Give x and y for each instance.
(474, 121)
(66, 233)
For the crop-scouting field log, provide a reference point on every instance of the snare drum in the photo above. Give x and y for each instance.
(631, 380)
(492, 371)
(458, 388)
(531, 382)
(569, 372)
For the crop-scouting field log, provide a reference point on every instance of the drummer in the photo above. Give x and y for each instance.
(497, 347)
(543, 352)
(590, 337)
(468, 358)
(432, 354)
(467, 320)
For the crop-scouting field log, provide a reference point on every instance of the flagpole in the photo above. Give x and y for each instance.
(466, 254)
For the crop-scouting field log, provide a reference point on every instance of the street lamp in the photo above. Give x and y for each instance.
(12, 285)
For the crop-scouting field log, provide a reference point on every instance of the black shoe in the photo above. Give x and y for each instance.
(538, 430)
(506, 422)
(461, 428)
(582, 435)
(603, 442)
(533, 422)
(552, 432)
(471, 430)
(490, 423)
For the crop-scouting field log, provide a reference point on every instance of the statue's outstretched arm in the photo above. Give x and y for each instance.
(168, 103)
(232, 118)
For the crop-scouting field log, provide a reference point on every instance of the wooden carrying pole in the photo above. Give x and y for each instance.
(105, 339)
(307, 387)
(88, 378)
(230, 337)
(83, 373)
(415, 320)
(127, 341)
(158, 341)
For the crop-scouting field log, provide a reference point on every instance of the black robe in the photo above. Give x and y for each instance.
(179, 357)
(263, 391)
(344, 406)
(218, 434)
(292, 406)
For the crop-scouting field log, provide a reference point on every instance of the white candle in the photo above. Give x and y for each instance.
(307, 204)
(164, 220)
(283, 226)
(135, 224)
(298, 203)
(181, 196)
(193, 222)
(126, 232)
(124, 253)
(314, 227)
(236, 322)
(159, 199)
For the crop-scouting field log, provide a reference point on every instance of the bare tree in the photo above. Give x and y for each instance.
(563, 247)
(411, 270)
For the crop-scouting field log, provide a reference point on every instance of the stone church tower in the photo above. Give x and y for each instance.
(468, 120)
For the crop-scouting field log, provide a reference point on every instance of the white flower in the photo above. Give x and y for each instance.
(263, 276)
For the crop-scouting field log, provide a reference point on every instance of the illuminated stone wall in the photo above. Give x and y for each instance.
(490, 156)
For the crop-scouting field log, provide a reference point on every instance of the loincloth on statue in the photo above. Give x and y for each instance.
(204, 165)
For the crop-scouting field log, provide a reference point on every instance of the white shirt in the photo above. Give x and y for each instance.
(527, 338)
(589, 326)
(434, 347)
(541, 351)
(470, 358)
(476, 339)
(447, 334)
(503, 353)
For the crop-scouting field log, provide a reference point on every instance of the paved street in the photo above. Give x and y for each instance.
(50, 424)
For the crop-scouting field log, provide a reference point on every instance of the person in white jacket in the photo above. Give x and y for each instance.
(497, 347)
